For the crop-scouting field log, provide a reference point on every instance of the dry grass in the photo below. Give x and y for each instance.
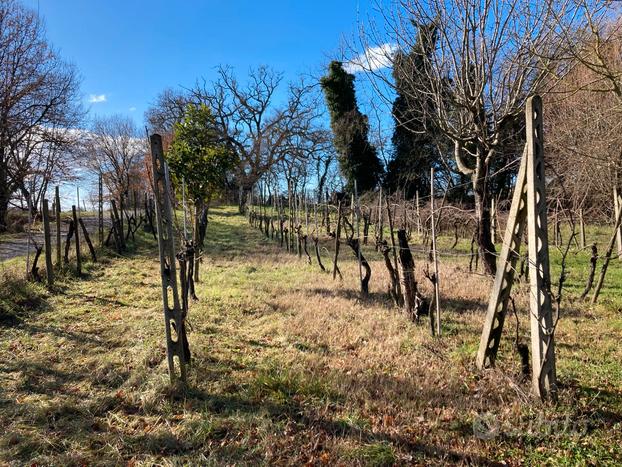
(290, 367)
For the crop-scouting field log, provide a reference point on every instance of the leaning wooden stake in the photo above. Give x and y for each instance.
(173, 320)
(506, 268)
(87, 238)
(48, 244)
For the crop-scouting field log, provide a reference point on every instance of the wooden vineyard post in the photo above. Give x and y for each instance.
(419, 229)
(581, 230)
(437, 295)
(616, 207)
(48, 244)
(364, 288)
(493, 220)
(337, 235)
(542, 337)
(380, 218)
(100, 211)
(528, 210)
(58, 239)
(173, 320)
(77, 235)
(398, 290)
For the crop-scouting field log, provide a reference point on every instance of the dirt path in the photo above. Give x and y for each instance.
(14, 245)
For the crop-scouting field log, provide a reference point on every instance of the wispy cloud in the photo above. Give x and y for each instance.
(372, 59)
(132, 109)
(97, 98)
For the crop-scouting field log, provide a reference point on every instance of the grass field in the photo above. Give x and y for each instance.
(290, 367)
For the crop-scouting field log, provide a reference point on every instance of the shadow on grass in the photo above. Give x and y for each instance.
(372, 299)
(285, 399)
(20, 299)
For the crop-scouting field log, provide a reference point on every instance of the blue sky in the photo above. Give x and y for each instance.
(128, 51)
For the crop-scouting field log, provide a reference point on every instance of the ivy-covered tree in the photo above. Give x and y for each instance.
(358, 159)
(416, 141)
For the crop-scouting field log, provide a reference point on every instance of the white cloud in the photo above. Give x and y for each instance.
(372, 59)
(97, 98)
(132, 109)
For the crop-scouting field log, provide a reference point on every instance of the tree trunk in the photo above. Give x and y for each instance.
(354, 244)
(200, 228)
(393, 275)
(4, 194)
(242, 196)
(316, 241)
(592, 273)
(485, 245)
(407, 273)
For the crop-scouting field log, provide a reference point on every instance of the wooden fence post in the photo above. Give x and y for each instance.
(493, 220)
(419, 229)
(581, 229)
(437, 295)
(616, 207)
(337, 235)
(77, 234)
(59, 258)
(48, 244)
(364, 288)
(380, 219)
(100, 211)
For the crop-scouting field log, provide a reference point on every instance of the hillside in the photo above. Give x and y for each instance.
(289, 367)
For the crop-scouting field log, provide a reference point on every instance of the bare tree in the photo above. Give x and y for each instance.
(39, 91)
(168, 110)
(46, 155)
(261, 132)
(483, 69)
(114, 148)
(588, 81)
